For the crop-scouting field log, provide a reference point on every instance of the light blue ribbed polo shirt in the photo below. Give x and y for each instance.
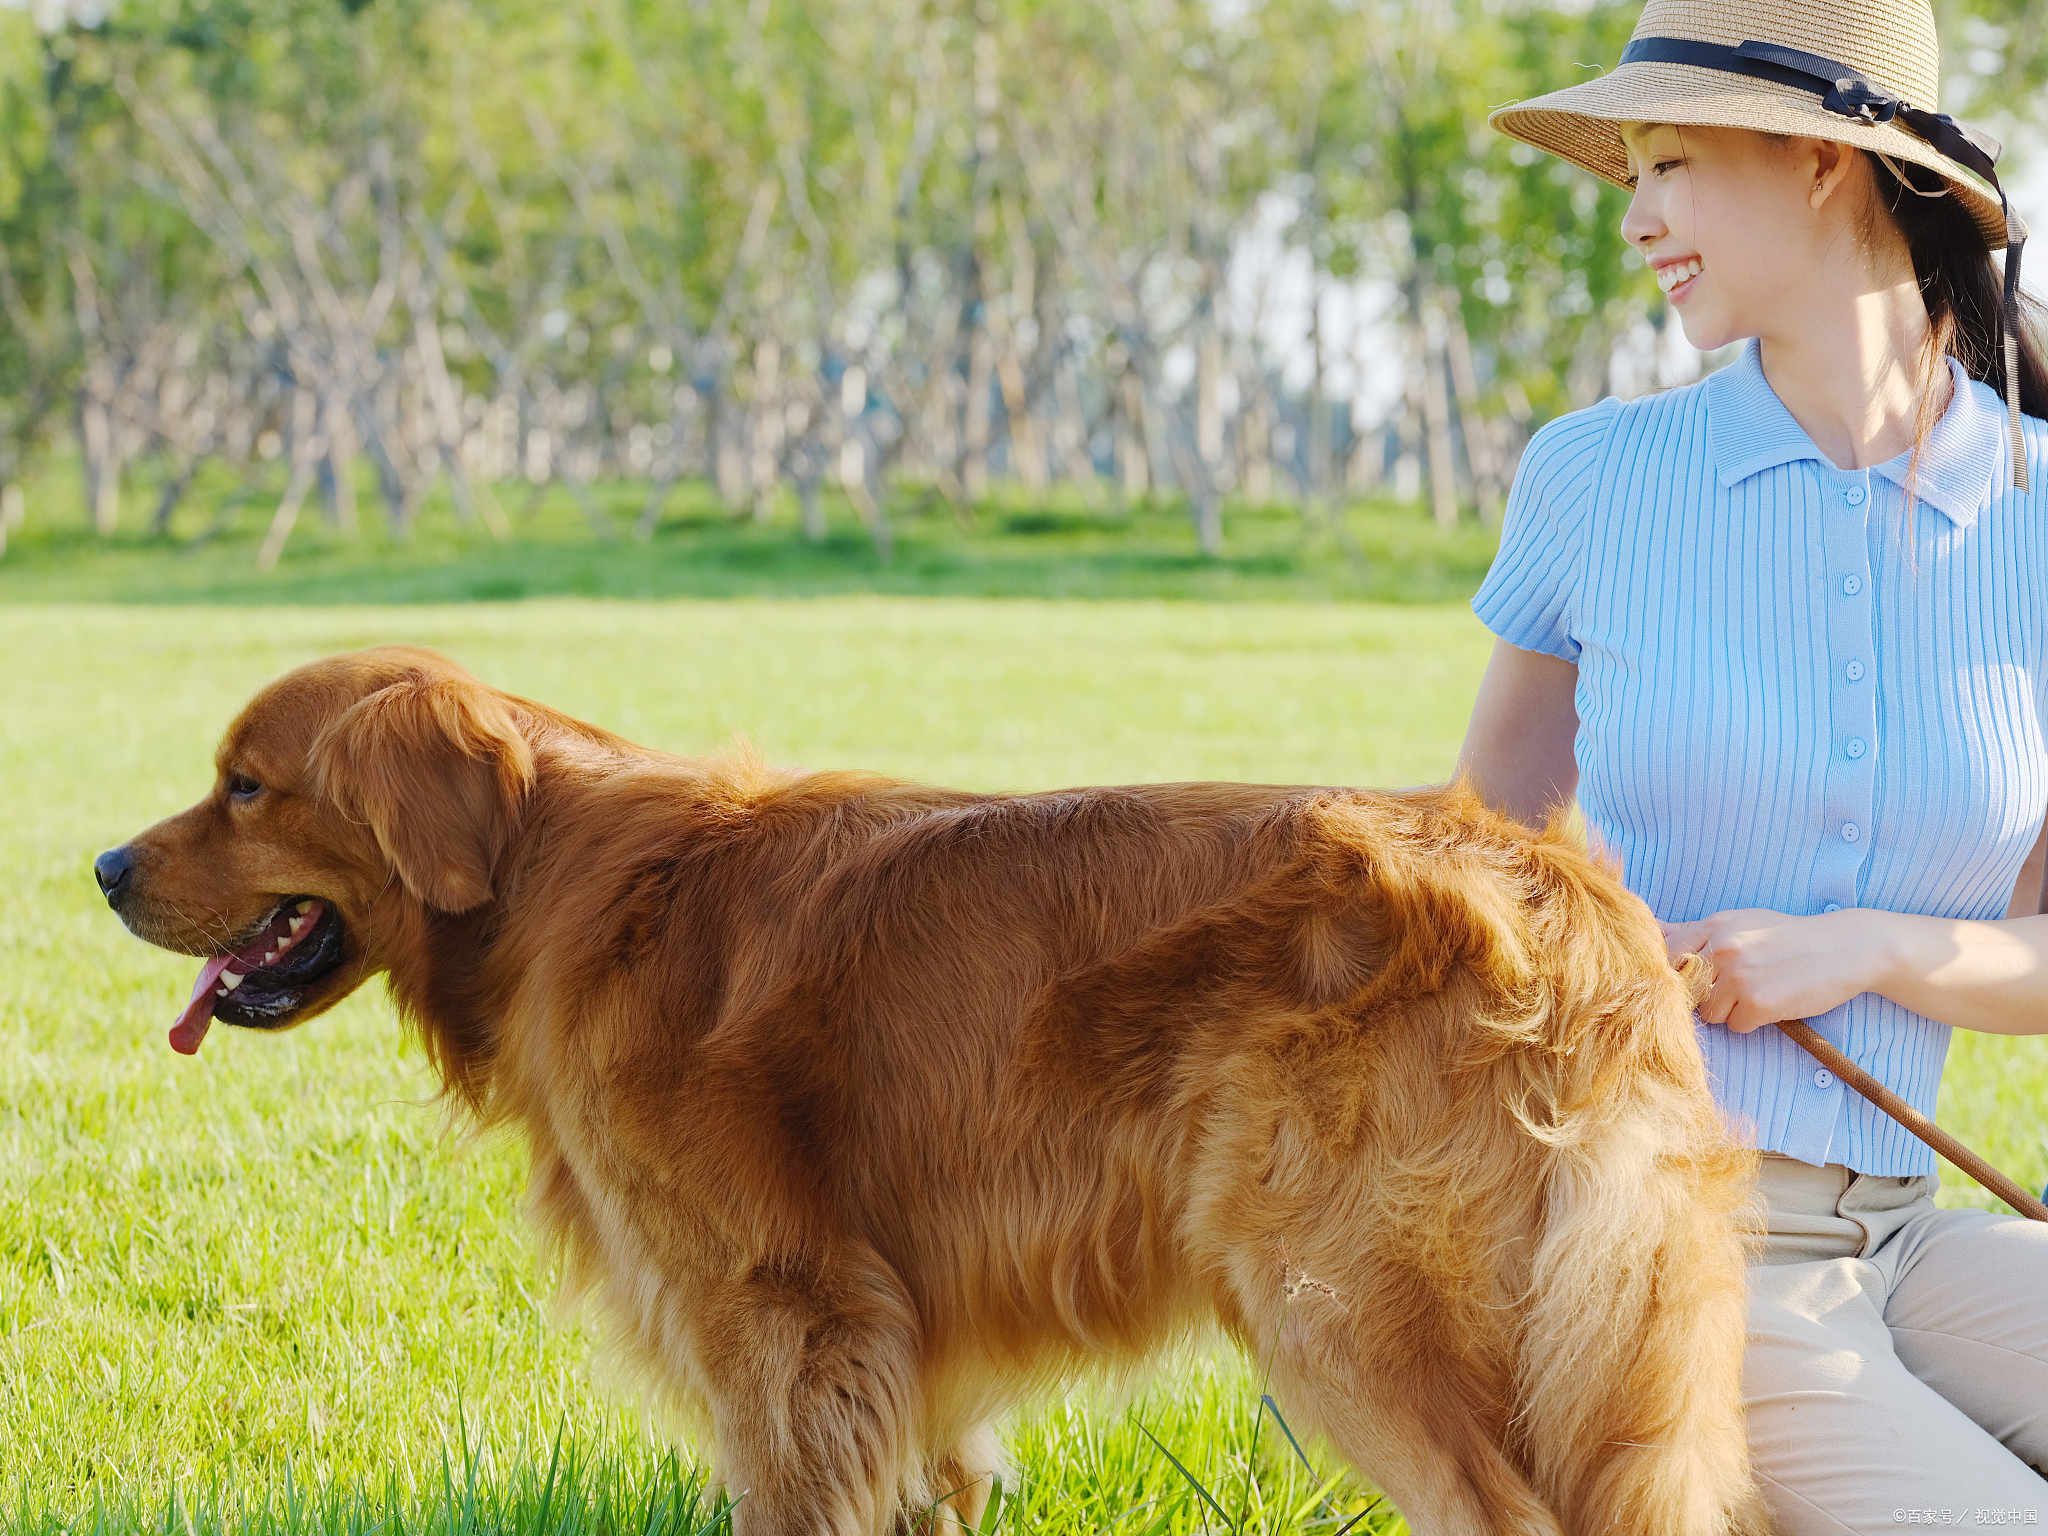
(1794, 694)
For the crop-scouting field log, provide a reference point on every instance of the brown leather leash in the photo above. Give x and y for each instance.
(1810, 1041)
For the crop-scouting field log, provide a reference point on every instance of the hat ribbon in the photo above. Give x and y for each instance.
(1846, 93)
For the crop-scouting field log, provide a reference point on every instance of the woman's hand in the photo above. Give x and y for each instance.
(1770, 966)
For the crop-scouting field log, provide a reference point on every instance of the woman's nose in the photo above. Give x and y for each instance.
(1641, 224)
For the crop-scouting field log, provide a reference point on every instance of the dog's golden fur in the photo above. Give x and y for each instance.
(865, 1107)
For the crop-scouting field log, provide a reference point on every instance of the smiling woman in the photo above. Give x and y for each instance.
(1753, 627)
(1781, 237)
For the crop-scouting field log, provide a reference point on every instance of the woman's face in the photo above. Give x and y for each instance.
(1727, 221)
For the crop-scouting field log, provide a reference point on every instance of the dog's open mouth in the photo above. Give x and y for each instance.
(264, 981)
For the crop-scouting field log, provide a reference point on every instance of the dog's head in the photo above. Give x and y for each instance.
(353, 799)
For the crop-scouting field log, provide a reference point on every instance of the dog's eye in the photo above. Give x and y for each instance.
(242, 787)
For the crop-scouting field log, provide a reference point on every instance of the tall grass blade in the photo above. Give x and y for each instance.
(1274, 1409)
(547, 1493)
(722, 1512)
(1285, 1429)
(1375, 1504)
(1193, 1481)
(930, 1518)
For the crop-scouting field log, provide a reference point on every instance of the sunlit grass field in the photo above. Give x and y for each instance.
(271, 1288)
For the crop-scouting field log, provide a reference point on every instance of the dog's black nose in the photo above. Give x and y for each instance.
(112, 869)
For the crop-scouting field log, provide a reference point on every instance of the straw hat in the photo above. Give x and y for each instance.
(1887, 47)
(1866, 73)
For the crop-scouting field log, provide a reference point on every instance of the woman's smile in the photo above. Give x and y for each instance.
(1675, 275)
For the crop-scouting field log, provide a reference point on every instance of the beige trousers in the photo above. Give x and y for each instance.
(1897, 1368)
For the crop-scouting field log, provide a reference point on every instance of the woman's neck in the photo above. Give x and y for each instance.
(1847, 365)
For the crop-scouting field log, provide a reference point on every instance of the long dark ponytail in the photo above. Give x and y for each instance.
(1963, 291)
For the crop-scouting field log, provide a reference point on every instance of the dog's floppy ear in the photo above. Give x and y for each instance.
(436, 768)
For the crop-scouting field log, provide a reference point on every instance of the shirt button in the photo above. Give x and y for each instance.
(1850, 832)
(1853, 496)
(1851, 585)
(1853, 671)
(1833, 906)
(1823, 1078)
(1856, 746)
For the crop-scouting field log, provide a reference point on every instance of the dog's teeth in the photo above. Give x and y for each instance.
(297, 924)
(270, 957)
(303, 908)
(229, 981)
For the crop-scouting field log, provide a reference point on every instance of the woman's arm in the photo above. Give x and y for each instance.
(1988, 976)
(1518, 748)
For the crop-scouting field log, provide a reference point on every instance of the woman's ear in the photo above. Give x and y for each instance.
(437, 769)
(1831, 164)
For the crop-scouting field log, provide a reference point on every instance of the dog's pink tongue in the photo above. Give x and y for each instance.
(191, 1026)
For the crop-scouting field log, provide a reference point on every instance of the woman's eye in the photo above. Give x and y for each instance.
(243, 787)
(1664, 166)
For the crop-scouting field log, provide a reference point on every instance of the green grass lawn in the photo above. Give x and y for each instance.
(1065, 549)
(271, 1288)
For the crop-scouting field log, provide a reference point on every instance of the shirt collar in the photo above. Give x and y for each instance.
(1964, 461)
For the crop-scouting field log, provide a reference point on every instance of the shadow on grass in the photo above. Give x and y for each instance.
(1059, 550)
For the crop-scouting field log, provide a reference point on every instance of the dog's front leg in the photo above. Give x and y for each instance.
(810, 1362)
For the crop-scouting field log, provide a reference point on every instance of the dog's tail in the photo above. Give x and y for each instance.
(1545, 1214)
(1630, 1360)
(1627, 1359)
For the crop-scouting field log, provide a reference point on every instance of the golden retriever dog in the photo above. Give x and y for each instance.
(865, 1109)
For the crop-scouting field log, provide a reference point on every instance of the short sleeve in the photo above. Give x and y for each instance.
(2035, 435)
(1526, 598)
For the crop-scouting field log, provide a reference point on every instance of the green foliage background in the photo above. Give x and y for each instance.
(609, 157)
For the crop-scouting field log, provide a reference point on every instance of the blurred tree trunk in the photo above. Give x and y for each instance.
(1207, 491)
(1436, 410)
(1488, 484)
